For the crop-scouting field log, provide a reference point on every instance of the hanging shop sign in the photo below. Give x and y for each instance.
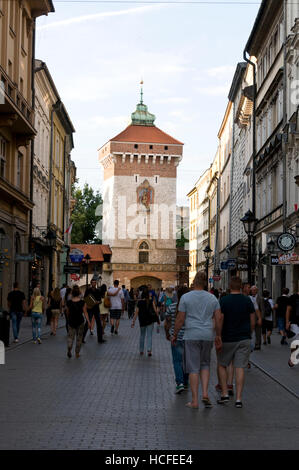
(286, 241)
(76, 255)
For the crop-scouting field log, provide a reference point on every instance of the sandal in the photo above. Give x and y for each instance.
(206, 401)
(189, 405)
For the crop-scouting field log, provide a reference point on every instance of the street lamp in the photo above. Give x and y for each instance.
(87, 258)
(188, 267)
(271, 246)
(51, 239)
(249, 222)
(207, 251)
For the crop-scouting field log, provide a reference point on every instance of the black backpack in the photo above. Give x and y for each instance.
(268, 308)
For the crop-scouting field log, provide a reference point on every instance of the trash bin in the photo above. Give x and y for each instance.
(4, 327)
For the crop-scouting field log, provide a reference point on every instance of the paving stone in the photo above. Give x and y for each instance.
(111, 398)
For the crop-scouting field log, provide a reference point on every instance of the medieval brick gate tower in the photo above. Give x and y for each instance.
(139, 202)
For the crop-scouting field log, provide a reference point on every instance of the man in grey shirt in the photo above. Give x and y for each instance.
(200, 311)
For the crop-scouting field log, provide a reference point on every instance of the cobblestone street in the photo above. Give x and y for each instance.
(111, 398)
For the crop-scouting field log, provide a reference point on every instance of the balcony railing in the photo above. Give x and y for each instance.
(13, 94)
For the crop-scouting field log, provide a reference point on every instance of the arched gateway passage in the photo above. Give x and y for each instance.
(145, 280)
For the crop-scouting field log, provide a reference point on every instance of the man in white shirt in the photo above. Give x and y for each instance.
(116, 296)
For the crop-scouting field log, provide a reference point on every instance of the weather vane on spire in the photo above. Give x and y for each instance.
(141, 92)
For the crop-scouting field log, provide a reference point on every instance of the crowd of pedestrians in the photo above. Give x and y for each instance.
(235, 322)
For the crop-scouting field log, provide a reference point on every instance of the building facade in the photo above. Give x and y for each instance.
(17, 131)
(53, 176)
(260, 170)
(139, 202)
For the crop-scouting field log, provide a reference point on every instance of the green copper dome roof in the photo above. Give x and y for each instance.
(141, 117)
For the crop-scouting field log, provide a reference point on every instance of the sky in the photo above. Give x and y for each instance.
(186, 54)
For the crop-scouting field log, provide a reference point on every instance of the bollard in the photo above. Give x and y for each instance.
(2, 353)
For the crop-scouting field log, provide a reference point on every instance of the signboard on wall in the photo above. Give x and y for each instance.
(284, 259)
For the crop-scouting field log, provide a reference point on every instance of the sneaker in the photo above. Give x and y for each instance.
(230, 390)
(112, 329)
(179, 388)
(91, 333)
(218, 388)
(34, 341)
(39, 341)
(269, 340)
(16, 340)
(239, 404)
(223, 400)
(69, 354)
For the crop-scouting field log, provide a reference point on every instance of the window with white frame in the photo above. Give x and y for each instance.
(3, 147)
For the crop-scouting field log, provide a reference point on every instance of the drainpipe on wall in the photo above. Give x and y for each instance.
(284, 144)
(253, 153)
(216, 257)
(31, 160)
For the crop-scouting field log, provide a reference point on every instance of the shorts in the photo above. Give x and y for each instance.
(238, 352)
(197, 356)
(281, 324)
(267, 325)
(55, 313)
(115, 314)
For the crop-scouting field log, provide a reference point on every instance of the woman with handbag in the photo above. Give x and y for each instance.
(76, 311)
(105, 306)
(147, 314)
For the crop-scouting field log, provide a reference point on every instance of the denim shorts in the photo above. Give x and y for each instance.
(281, 323)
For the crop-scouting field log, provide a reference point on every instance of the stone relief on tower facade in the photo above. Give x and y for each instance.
(145, 195)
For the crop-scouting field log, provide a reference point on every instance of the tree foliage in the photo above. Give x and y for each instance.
(84, 216)
(180, 242)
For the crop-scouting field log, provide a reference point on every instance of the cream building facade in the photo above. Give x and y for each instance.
(264, 181)
(53, 175)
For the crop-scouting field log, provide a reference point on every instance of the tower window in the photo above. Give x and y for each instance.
(166, 147)
(151, 147)
(135, 146)
(143, 253)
